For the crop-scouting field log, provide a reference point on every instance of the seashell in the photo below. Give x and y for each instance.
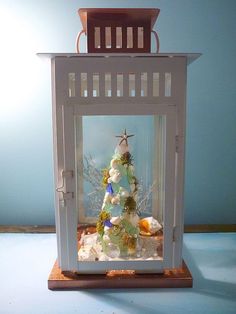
(115, 200)
(116, 178)
(114, 163)
(116, 175)
(112, 171)
(124, 193)
(115, 220)
(149, 225)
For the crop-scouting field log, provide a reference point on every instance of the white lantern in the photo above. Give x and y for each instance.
(96, 99)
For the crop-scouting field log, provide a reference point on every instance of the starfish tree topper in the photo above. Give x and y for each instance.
(124, 137)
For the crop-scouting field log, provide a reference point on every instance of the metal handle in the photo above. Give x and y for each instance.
(78, 39)
(157, 41)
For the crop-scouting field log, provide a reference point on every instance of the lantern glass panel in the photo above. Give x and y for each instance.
(124, 234)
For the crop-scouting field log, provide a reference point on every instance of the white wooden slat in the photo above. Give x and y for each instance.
(156, 171)
(59, 81)
(57, 139)
(138, 84)
(149, 84)
(125, 86)
(179, 87)
(102, 267)
(159, 167)
(79, 167)
(113, 86)
(119, 100)
(123, 109)
(121, 66)
(169, 190)
(162, 85)
(70, 211)
(90, 84)
(102, 84)
(77, 85)
(60, 86)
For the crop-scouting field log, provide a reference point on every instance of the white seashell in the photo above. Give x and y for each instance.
(154, 225)
(115, 220)
(116, 177)
(124, 193)
(115, 200)
(114, 163)
(112, 171)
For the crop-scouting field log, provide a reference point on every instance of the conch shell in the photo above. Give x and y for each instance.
(149, 226)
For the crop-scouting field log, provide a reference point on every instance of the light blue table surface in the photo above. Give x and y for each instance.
(26, 261)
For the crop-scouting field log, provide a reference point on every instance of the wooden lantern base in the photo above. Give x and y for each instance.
(172, 278)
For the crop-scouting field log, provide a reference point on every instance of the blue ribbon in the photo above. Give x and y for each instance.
(109, 189)
(108, 223)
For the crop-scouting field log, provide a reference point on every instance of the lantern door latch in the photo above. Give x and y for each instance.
(66, 195)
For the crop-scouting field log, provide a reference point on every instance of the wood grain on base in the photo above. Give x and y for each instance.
(173, 278)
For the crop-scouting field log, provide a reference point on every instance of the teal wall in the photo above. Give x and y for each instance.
(27, 27)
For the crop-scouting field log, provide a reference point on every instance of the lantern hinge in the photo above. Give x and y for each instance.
(67, 195)
(174, 233)
(67, 174)
(177, 143)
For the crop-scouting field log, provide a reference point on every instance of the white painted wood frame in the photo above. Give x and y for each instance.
(68, 103)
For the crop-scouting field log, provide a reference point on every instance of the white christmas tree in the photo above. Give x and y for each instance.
(118, 222)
